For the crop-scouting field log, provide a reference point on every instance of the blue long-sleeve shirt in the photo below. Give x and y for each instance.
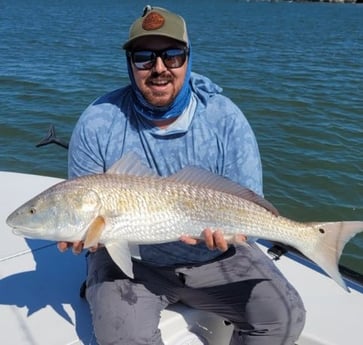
(212, 134)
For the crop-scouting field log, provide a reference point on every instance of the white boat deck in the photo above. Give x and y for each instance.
(40, 303)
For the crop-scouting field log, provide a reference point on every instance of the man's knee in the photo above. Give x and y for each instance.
(273, 315)
(119, 317)
(118, 332)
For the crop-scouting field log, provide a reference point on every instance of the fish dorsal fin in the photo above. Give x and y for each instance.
(203, 178)
(131, 164)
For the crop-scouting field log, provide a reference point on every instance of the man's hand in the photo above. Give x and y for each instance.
(213, 239)
(77, 247)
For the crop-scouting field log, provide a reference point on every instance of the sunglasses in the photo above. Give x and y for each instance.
(146, 59)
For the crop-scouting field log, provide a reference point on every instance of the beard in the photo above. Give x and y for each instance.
(158, 97)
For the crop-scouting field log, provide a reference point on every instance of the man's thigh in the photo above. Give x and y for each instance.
(125, 313)
(248, 290)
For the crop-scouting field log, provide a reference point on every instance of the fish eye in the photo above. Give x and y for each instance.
(33, 210)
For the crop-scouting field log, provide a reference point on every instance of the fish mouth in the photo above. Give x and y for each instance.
(24, 232)
(17, 227)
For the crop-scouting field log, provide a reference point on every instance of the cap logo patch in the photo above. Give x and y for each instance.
(153, 21)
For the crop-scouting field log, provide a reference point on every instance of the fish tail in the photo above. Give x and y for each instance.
(333, 238)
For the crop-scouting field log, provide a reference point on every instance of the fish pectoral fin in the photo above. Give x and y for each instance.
(121, 255)
(94, 232)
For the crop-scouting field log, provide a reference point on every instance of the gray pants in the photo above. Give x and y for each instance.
(244, 287)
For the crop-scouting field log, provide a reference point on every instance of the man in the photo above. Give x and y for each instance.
(173, 118)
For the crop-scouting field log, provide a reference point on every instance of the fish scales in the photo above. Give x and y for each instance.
(157, 211)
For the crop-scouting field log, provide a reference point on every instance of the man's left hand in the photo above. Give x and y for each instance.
(213, 239)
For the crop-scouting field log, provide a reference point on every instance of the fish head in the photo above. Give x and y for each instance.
(61, 213)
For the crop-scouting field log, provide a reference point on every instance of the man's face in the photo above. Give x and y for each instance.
(159, 84)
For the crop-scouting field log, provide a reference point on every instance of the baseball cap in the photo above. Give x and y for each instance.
(157, 21)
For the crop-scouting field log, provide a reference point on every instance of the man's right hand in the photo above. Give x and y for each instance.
(77, 247)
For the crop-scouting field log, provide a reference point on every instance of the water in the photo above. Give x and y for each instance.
(295, 69)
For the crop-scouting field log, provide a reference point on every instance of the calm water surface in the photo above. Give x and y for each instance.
(295, 69)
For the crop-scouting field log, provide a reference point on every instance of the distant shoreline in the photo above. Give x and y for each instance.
(335, 1)
(326, 1)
